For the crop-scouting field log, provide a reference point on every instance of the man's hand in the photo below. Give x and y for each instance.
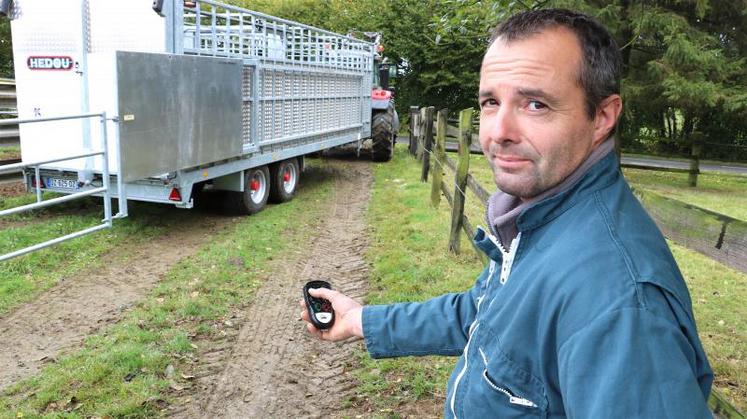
(347, 316)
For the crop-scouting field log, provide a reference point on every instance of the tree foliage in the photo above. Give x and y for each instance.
(684, 60)
(6, 49)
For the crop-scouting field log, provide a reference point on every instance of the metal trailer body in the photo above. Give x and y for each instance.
(200, 91)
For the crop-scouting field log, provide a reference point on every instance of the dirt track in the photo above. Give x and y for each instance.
(59, 319)
(272, 367)
(267, 365)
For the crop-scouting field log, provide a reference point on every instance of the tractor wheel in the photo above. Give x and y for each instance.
(284, 177)
(256, 191)
(382, 135)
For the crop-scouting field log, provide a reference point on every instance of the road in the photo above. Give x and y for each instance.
(638, 161)
(676, 164)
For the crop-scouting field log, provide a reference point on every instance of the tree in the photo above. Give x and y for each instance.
(6, 49)
(683, 71)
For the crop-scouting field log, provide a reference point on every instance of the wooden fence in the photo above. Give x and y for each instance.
(429, 150)
(715, 235)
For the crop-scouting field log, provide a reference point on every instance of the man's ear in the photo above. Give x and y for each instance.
(606, 117)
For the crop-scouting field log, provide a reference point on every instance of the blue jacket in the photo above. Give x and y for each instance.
(586, 316)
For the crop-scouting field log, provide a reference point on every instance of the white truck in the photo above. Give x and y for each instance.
(151, 100)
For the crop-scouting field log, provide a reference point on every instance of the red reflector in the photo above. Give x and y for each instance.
(175, 195)
(380, 94)
(286, 176)
(254, 186)
(33, 183)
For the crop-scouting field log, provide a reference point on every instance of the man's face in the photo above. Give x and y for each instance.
(534, 129)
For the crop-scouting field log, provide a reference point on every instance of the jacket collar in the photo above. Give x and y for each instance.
(601, 175)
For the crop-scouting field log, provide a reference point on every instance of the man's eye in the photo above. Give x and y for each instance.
(488, 102)
(535, 105)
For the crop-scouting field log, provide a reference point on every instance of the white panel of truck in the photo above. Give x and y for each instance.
(64, 65)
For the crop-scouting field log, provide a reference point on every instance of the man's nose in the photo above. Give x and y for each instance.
(499, 127)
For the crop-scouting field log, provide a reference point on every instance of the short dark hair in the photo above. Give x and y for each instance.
(601, 68)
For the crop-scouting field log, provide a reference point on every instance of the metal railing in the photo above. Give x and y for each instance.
(216, 29)
(37, 182)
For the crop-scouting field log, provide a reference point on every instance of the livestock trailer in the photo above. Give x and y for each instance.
(149, 101)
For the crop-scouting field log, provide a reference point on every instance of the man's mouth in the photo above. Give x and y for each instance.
(509, 161)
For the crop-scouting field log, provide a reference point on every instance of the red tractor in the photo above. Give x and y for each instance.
(384, 118)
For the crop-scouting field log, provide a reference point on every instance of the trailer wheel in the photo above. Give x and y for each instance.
(382, 135)
(256, 191)
(284, 176)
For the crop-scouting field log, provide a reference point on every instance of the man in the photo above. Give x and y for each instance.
(582, 311)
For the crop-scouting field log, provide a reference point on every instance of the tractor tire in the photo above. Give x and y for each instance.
(256, 192)
(382, 135)
(284, 176)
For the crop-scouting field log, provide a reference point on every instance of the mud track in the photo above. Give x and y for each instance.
(61, 318)
(271, 367)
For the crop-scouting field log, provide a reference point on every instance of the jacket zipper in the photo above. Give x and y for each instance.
(508, 256)
(508, 260)
(464, 368)
(512, 398)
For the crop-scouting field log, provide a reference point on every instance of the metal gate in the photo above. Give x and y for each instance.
(87, 190)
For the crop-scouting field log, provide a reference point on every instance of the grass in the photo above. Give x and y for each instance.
(23, 278)
(124, 370)
(404, 223)
(718, 295)
(409, 263)
(722, 193)
(10, 152)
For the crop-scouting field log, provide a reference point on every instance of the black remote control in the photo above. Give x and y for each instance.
(320, 310)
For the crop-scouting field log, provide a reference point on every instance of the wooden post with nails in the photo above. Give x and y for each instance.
(427, 143)
(421, 134)
(414, 121)
(440, 154)
(457, 210)
(697, 145)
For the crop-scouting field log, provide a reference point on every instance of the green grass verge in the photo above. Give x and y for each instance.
(403, 221)
(23, 278)
(10, 152)
(410, 262)
(718, 295)
(722, 193)
(121, 372)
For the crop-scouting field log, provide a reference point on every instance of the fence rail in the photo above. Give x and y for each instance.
(715, 235)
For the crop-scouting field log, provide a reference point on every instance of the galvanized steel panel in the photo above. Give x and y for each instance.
(177, 112)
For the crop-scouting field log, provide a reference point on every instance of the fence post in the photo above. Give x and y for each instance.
(421, 134)
(457, 210)
(696, 147)
(440, 148)
(427, 143)
(414, 121)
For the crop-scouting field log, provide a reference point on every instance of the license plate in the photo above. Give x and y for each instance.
(56, 183)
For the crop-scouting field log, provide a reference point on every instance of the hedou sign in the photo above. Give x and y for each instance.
(50, 63)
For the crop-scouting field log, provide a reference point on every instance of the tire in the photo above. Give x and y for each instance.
(284, 176)
(382, 135)
(256, 192)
